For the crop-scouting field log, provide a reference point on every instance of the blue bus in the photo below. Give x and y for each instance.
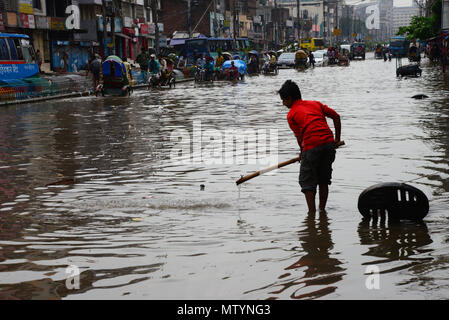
(211, 47)
(17, 57)
(399, 46)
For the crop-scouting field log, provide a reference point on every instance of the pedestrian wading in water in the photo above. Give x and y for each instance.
(307, 120)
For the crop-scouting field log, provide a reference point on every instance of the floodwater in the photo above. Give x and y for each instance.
(130, 213)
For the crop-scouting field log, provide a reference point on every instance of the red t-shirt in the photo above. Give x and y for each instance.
(307, 119)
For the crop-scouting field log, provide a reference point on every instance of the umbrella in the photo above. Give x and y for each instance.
(227, 54)
(240, 64)
(115, 58)
(254, 52)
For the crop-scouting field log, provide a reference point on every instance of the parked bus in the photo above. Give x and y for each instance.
(312, 44)
(211, 47)
(399, 46)
(17, 57)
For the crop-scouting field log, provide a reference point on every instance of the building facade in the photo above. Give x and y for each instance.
(402, 17)
(68, 32)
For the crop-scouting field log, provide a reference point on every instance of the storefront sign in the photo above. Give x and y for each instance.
(163, 42)
(127, 22)
(26, 6)
(2, 22)
(129, 31)
(27, 21)
(445, 15)
(57, 24)
(73, 21)
(118, 25)
(42, 22)
(144, 28)
(151, 28)
(12, 19)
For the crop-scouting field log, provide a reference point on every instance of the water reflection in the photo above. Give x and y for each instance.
(394, 241)
(319, 272)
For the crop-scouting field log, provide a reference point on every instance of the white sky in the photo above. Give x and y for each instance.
(402, 3)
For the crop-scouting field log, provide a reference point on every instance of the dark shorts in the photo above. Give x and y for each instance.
(96, 75)
(316, 167)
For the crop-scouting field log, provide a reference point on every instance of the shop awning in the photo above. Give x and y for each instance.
(123, 36)
(175, 42)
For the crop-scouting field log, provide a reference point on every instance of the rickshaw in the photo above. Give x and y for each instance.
(378, 54)
(117, 78)
(300, 59)
(167, 78)
(357, 50)
(253, 64)
(241, 66)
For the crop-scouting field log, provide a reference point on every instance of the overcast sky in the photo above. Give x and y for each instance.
(402, 3)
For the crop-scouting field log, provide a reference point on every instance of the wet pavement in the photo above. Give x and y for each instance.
(112, 186)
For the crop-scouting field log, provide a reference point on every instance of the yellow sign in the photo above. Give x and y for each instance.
(367, 37)
(26, 6)
(337, 32)
(354, 35)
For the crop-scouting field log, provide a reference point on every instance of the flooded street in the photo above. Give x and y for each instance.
(132, 217)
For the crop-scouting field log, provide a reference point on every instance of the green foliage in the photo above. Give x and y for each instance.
(424, 27)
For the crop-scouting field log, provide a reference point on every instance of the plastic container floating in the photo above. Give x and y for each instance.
(399, 201)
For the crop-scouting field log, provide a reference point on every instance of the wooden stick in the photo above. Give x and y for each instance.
(279, 165)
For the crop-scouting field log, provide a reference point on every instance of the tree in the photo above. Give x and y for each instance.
(424, 27)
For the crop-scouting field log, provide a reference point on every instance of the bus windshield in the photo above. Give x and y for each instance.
(397, 43)
(319, 42)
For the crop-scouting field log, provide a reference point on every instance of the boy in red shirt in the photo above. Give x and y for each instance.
(307, 119)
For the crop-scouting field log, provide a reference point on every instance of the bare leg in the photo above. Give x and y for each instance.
(310, 199)
(324, 192)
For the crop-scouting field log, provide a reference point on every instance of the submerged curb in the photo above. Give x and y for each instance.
(73, 95)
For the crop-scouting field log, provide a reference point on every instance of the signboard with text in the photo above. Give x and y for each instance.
(27, 21)
(57, 24)
(12, 19)
(42, 22)
(445, 15)
(26, 6)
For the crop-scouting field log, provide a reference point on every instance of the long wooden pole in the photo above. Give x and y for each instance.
(277, 166)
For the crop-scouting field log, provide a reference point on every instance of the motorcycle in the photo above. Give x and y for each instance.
(157, 80)
(270, 68)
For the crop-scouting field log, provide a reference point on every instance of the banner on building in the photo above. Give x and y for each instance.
(127, 22)
(11, 19)
(57, 24)
(163, 41)
(91, 35)
(27, 21)
(151, 28)
(2, 22)
(118, 25)
(445, 15)
(42, 22)
(144, 28)
(26, 6)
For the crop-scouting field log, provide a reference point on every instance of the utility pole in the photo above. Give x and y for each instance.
(105, 26)
(113, 13)
(189, 23)
(154, 8)
(276, 23)
(234, 18)
(298, 21)
(215, 24)
(324, 20)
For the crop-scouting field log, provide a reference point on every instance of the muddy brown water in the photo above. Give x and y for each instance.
(96, 183)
